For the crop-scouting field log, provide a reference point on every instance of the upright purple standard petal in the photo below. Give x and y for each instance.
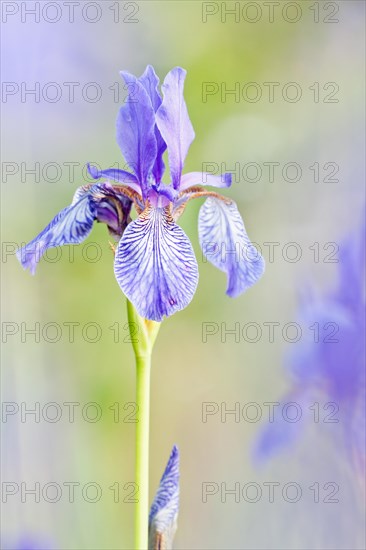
(174, 123)
(164, 510)
(155, 265)
(150, 82)
(135, 131)
(226, 245)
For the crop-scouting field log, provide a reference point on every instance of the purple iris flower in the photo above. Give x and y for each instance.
(164, 510)
(155, 265)
(330, 367)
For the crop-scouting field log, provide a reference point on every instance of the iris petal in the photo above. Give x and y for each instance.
(73, 224)
(202, 178)
(155, 265)
(135, 131)
(174, 124)
(226, 245)
(114, 211)
(164, 510)
(70, 226)
(115, 174)
(150, 82)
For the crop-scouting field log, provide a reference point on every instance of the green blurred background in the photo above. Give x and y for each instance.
(186, 371)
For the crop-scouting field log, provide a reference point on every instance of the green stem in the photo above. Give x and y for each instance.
(143, 367)
(143, 335)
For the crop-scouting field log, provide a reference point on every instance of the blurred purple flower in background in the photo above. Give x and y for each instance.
(164, 510)
(330, 364)
(155, 265)
(30, 542)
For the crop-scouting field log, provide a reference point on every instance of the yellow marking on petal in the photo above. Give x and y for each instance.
(134, 196)
(152, 328)
(196, 192)
(113, 246)
(193, 189)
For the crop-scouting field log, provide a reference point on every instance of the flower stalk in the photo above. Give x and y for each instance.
(143, 335)
(155, 264)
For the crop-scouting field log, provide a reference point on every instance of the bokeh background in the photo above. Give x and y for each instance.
(187, 372)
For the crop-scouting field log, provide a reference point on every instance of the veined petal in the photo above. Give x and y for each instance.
(70, 226)
(127, 193)
(226, 245)
(150, 82)
(115, 174)
(114, 210)
(155, 265)
(202, 178)
(73, 224)
(174, 124)
(164, 510)
(135, 131)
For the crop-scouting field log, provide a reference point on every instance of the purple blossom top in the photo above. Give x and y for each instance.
(155, 265)
(332, 366)
(164, 510)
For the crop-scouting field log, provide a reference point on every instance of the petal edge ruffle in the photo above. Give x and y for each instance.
(226, 245)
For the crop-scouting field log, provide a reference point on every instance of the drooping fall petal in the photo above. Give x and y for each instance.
(155, 265)
(226, 245)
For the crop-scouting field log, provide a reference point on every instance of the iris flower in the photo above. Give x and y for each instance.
(333, 367)
(155, 265)
(164, 510)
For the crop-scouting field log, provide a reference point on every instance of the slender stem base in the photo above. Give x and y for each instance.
(143, 367)
(143, 344)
